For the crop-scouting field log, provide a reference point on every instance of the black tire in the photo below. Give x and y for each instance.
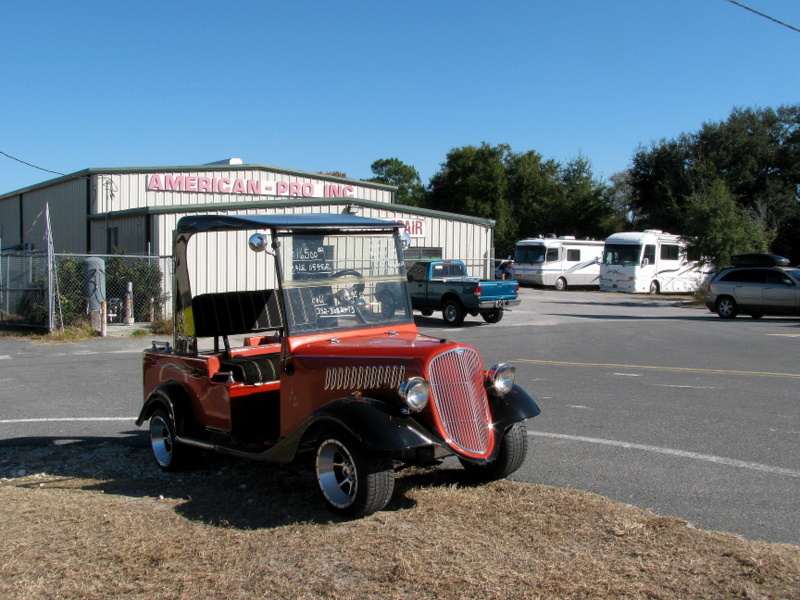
(170, 454)
(756, 315)
(453, 313)
(355, 482)
(426, 312)
(493, 316)
(561, 284)
(726, 307)
(654, 288)
(513, 448)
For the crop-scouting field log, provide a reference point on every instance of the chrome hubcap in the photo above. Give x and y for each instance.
(336, 473)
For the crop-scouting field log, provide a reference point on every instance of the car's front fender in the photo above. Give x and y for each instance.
(374, 423)
(515, 406)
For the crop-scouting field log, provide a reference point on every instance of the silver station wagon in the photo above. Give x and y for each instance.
(757, 285)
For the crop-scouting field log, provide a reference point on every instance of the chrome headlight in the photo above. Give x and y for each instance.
(501, 378)
(415, 392)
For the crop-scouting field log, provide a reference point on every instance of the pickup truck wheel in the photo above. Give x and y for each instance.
(354, 482)
(513, 448)
(170, 454)
(561, 284)
(453, 313)
(493, 316)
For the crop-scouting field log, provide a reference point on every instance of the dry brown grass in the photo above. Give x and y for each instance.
(82, 522)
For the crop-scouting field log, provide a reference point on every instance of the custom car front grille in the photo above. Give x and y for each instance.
(456, 378)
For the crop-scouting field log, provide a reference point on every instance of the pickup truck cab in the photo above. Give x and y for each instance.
(307, 344)
(445, 285)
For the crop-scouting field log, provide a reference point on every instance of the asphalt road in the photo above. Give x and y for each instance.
(643, 401)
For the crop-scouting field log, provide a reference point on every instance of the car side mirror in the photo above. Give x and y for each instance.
(259, 242)
(645, 262)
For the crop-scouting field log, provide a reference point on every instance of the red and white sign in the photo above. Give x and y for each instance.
(174, 182)
(416, 228)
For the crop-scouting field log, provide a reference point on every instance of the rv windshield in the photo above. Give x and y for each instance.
(529, 253)
(333, 282)
(622, 254)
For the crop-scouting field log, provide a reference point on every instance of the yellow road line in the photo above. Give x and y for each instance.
(656, 368)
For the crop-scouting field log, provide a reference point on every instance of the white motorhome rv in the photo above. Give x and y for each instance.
(558, 262)
(650, 261)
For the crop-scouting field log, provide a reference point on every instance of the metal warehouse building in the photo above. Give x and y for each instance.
(134, 210)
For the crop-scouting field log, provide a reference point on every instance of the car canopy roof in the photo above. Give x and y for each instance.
(201, 223)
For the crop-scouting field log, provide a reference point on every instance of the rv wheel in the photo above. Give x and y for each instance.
(561, 284)
(654, 288)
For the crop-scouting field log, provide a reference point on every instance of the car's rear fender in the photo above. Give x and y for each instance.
(174, 399)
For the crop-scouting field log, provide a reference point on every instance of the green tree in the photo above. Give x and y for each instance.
(534, 187)
(756, 152)
(524, 194)
(718, 227)
(473, 181)
(618, 200)
(585, 206)
(661, 181)
(393, 171)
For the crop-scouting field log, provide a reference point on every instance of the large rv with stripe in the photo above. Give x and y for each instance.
(649, 261)
(558, 262)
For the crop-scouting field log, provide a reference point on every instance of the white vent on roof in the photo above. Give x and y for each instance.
(227, 161)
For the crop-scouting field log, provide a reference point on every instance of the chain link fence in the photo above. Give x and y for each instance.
(63, 290)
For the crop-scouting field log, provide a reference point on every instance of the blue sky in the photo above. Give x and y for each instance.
(334, 86)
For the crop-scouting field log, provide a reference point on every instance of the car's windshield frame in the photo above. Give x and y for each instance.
(337, 281)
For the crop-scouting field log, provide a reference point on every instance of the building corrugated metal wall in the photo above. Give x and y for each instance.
(67, 204)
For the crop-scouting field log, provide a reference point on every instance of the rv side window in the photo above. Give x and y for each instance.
(649, 254)
(573, 255)
(529, 254)
(552, 255)
(670, 252)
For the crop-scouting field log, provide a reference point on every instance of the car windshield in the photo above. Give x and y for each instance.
(335, 282)
(621, 254)
(529, 254)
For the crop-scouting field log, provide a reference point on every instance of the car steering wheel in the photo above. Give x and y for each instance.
(352, 297)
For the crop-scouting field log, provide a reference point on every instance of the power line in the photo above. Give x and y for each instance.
(760, 14)
(29, 164)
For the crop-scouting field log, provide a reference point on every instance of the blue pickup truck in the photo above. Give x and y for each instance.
(445, 285)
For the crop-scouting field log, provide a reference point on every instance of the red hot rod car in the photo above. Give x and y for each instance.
(308, 344)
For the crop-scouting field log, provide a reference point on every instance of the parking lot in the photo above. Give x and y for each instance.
(644, 400)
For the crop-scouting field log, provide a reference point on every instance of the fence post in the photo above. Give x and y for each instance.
(103, 318)
(129, 304)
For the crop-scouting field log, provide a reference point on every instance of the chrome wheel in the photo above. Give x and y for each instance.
(162, 439)
(561, 284)
(353, 481)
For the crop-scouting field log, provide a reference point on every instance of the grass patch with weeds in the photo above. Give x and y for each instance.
(101, 521)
